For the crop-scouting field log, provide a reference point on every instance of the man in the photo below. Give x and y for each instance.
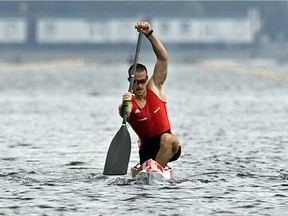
(147, 112)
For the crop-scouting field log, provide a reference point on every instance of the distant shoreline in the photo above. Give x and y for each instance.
(18, 55)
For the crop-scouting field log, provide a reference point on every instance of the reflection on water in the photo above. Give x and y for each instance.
(56, 125)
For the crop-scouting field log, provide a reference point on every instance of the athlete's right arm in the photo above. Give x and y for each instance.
(126, 98)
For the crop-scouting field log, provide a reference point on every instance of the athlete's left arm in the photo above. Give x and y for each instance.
(161, 65)
(159, 76)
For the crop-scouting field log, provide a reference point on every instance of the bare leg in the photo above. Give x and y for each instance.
(169, 145)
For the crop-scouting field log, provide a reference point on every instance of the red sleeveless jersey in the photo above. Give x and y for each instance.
(152, 119)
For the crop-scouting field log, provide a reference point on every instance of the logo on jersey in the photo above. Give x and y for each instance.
(155, 111)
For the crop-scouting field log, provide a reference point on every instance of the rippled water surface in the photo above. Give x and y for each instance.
(57, 122)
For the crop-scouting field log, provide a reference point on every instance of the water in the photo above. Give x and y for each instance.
(57, 122)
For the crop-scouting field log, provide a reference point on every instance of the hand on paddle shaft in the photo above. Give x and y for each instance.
(127, 96)
(126, 101)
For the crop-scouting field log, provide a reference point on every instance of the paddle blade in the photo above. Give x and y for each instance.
(118, 155)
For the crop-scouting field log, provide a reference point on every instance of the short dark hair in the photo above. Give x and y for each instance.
(139, 67)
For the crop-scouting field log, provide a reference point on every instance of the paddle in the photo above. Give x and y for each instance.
(118, 155)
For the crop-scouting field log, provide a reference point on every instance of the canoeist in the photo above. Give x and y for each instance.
(147, 106)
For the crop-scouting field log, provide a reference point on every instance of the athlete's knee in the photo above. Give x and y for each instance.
(165, 137)
(169, 141)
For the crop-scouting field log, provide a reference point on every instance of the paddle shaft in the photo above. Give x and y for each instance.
(118, 155)
(131, 76)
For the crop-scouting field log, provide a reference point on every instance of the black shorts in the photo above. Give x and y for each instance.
(150, 147)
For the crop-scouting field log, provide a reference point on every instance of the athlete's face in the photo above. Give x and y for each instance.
(140, 83)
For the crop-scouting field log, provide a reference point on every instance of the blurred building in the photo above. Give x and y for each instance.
(54, 30)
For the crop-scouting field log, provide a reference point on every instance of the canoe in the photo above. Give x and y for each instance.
(150, 170)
